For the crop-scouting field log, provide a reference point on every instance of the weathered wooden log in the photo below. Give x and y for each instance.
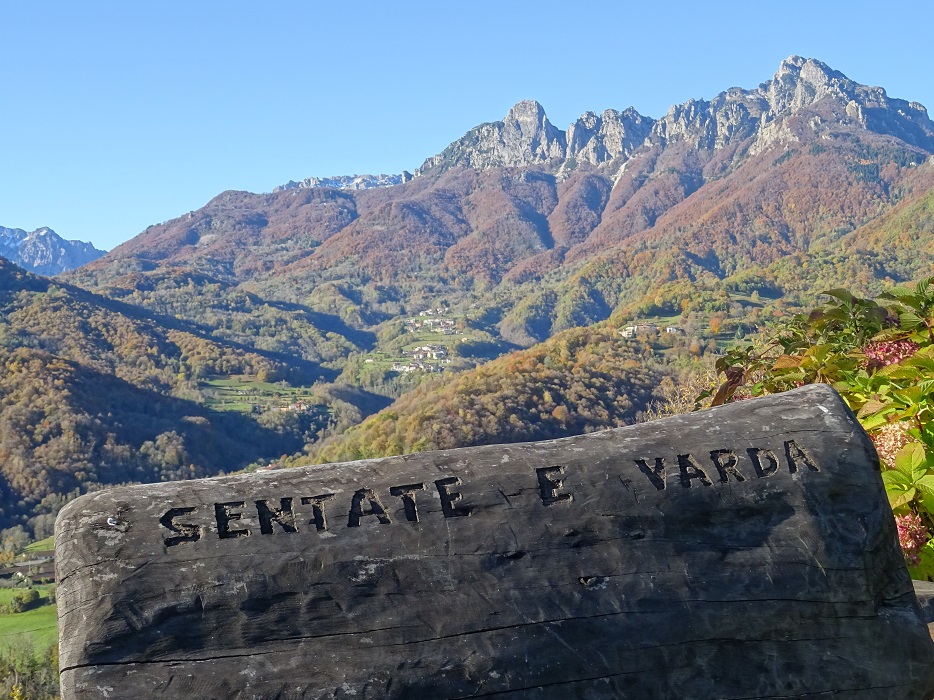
(747, 551)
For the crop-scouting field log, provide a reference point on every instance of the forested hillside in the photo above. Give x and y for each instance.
(582, 380)
(94, 392)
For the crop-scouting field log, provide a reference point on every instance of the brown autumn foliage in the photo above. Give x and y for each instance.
(91, 395)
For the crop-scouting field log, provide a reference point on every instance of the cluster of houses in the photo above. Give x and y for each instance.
(300, 406)
(415, 366)
(425, 358)
(434, 320)
(649, 329)
(428, 352)
(440, 311)
(40, 568)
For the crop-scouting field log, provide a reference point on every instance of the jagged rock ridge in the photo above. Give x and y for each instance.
(45, 252)
(347, 182)
(713, 188)
(525, 137)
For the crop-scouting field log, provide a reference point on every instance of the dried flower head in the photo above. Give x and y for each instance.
(912, 536)
(889, 439)
(883, 354)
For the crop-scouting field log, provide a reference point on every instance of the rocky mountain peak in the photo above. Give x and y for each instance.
(527, 112)
(524, 137)
(45, 252)
(593, 139)
(347, 182)
(800, 82)
(527, 135)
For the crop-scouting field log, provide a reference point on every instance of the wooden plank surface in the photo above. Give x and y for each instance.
(742, 552)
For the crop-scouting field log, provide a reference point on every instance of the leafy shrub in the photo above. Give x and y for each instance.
(28, 673)
(24, 600)
(879, 355)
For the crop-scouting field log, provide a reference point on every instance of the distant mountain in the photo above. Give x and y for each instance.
(347, 182)
(530, 230)
(523, 197)
(45, 252)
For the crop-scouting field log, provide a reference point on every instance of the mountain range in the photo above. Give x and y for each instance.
(619, 251)
(544, 230)
(45, 252)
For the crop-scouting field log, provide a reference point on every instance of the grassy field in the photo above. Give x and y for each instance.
(46, 545)
(242, 393)
(38, 626)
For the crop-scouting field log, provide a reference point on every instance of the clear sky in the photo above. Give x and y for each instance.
(115, 115)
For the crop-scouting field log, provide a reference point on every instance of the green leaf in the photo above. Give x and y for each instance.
(841, 294)
(925, 570)
(895, 480)
(909, 320)
(873, 422)
(926, 484)
(898, 294)
(898, 371)
(910, 458)
(897, 500)
(908, 395)
(915, 363)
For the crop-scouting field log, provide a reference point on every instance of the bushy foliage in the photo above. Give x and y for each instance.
(879, 354)
(22, 600)
(27, 673)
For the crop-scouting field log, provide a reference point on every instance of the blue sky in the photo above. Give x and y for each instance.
(119, 115)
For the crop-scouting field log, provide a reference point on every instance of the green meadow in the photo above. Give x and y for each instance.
(37, 626)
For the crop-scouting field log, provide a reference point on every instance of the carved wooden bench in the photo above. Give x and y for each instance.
(742, 552)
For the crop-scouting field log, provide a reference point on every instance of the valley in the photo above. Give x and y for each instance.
(527, 282)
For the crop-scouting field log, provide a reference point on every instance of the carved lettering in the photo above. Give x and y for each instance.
(186, 531)
(690, 469)
(549, 486)
(657, 474)
(376, 508)
(757, 455)
(407, 494)
(449, 498)
(796, 455)
(725, 461)
(224, 514)
(282, 515)
(317, 510)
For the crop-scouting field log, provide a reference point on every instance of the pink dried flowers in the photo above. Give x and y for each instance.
(885, 353)
(912, 536)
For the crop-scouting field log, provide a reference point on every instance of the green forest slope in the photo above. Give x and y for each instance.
(582, 380)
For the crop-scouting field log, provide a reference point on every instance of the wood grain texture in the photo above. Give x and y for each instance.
(742, 552)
